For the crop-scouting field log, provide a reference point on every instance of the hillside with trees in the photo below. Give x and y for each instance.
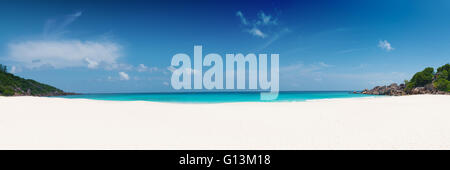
(11, 85)
(425, 82)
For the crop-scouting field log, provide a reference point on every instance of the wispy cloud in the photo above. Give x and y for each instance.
(371, 78)
(301, 68)
(275, 37)
(297, 74)
(124, 76)
(57, 27)
(320, 74)
(258, 27)
(385, 45)
(265, 19)
(241, 16)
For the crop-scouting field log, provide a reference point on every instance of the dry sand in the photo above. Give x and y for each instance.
(407, 122)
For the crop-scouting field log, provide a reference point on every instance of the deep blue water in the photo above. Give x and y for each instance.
(217, 97)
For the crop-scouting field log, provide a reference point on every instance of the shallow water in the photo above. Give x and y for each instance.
(218, 97)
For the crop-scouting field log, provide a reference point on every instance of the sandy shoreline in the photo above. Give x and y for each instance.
(406, 122)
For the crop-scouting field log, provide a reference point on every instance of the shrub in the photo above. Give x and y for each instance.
(409, 86)
(442, 84)
(443, 72)
(6, 91)
(420, 79)
(444, 67)
(443, 78)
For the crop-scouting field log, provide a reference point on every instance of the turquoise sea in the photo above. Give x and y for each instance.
(217, 97)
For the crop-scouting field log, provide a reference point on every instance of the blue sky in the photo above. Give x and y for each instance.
(127, 46)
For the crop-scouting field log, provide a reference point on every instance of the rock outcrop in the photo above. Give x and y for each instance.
(399, 90)
(392, 90)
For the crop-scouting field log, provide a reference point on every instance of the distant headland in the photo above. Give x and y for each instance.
(11, 85)
(424, 82)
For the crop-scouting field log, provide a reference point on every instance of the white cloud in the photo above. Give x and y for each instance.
(385, 45)
(91, 64)
(143, 68)
(65, 53)
(257, 32)
(15, 69)
(53, 50)
(124, 76)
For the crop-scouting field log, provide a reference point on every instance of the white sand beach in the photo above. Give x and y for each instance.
(407, 122)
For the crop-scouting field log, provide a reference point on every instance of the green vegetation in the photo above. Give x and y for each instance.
(14, 85)
(440, 79)
(2, 68)
(420, 79)
(443, 78)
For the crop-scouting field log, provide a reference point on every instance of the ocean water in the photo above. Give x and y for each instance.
(217, 97)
